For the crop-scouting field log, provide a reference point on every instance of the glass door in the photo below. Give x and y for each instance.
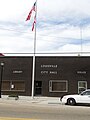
(38, 87)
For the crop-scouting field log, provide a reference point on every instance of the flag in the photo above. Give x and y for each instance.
(33, 9)
(34, 22)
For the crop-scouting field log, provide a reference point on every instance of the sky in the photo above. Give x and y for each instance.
(62, 27)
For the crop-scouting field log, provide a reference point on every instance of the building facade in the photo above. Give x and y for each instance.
(54, 75)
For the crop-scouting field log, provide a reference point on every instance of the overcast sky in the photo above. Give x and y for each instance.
(62, 26)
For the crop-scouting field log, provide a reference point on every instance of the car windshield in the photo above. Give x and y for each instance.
(85, 93)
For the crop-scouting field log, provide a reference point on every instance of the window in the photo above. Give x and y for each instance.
(6, 85)
(18, 86)
(58, 86)
(85, 93)
(82, 85)
(14, 85)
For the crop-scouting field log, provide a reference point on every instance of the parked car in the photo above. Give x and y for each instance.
(82, 98)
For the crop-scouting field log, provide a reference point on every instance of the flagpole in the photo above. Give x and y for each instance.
(33, 69)
(81, 38)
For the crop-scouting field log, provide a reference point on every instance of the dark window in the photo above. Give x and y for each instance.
(58, 86)
(85, 93)
(13, 85)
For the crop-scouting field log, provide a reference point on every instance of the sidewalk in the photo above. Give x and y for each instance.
(28, 99)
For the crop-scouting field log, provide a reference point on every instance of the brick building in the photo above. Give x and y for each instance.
(54, 75)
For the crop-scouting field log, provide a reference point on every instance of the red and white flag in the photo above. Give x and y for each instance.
(33, 9)
(34, 22)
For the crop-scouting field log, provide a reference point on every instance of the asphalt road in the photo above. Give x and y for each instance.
(17, 111)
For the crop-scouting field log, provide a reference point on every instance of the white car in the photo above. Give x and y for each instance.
(83, 98)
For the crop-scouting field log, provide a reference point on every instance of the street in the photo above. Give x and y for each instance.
(18, 111)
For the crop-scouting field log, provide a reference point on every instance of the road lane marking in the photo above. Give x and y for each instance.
(10, 118)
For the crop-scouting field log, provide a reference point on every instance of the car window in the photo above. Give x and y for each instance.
(85, 93)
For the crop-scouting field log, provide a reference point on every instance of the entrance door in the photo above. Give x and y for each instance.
(38, 88)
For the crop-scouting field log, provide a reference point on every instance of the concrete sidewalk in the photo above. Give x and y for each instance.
(29, 99)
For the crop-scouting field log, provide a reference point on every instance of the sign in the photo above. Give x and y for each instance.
(17, 71)
(48, 66)
(81, 72)
(49, 69)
